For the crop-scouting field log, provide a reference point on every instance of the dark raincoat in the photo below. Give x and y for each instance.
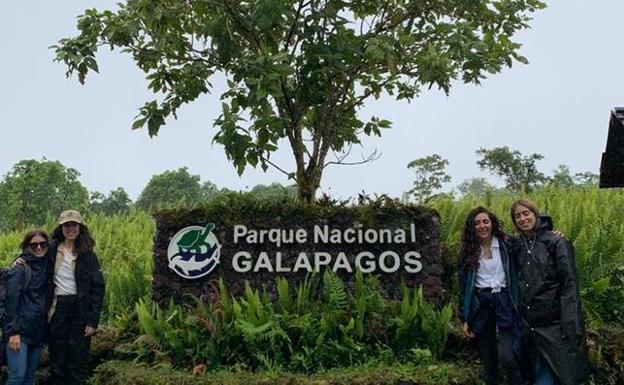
(26, 305)
(550, 304)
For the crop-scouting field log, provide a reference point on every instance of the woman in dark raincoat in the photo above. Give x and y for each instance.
(550, 305)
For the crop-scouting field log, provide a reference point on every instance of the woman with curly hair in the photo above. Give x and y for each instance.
(489, 295)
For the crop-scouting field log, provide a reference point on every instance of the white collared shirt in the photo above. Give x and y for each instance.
(491, 272)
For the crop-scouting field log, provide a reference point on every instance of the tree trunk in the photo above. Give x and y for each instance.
(308, 182)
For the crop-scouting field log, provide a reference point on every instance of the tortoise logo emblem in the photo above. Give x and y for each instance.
(194, 251)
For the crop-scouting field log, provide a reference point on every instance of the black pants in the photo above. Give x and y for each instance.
(488, 347)
(69, 348)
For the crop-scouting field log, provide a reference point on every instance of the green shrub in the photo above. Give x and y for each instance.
(298, 331)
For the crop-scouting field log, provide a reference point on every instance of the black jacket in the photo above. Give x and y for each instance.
(26, 305)
(89, 285)
(550, 305)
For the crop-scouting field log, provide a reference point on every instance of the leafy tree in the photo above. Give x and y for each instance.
(209, 190)
(171, 189)
(429, 175)
(274, 191)
(299, 70)
(475, 186)
(586, 178)
(562, 177)
(518, 171)
(116, 202)
(35, 190)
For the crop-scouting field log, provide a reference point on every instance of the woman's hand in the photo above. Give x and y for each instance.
(89, 331)
(15, 342)
(18, 261)
(467, 332)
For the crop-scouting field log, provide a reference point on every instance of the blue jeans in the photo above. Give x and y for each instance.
(23, 364)
(543, 373)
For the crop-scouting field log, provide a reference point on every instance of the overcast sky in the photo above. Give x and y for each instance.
(557, 106)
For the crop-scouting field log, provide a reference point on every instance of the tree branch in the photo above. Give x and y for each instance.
(341, 160)
(288, 174)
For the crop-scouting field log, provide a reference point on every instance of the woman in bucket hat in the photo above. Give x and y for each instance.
(75, 301)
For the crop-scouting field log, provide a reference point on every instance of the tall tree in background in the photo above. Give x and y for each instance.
(478, 186)
(586, 178)
(274, 191)
(518, 171)
(299, 70)
(429, 176)
(116, 202)
(171, 189)
(209, 190)
(34, 191)
(562, 177)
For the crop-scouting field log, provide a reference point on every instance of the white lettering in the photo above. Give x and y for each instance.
(382, 262)
(369, 267)
(245, 265)
(278, 264)
(252, 236)
(274, 236)
(342, 263)
(400, 236)
(385, 236)
(318, 262)
(349, 235)
(321, 234)
(301, 236)
(413, 265)
(263, 263)
(370, 235)
(239, 231)
(302, 262)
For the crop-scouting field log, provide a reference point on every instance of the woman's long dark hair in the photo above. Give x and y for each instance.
(470, 246)
(29, 236)
(84, 242)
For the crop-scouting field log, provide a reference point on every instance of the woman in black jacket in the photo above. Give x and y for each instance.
(75, 300)
(26, 309)
(550, 305)
(488, 296)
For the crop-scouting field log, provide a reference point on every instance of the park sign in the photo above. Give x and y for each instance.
(258, 243)
(194, 251)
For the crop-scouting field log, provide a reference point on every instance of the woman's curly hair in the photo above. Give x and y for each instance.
(470, 246)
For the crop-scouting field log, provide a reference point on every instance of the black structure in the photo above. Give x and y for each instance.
(612, 165)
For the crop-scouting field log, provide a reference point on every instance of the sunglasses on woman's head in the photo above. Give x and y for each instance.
(35, 245)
